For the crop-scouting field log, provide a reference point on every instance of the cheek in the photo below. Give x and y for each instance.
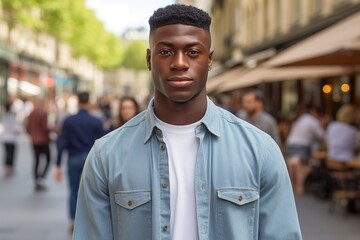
(128, 113)
(201, 68)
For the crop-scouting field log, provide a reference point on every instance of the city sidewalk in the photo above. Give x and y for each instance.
(29, 215)
(26, 214)
(317, 223)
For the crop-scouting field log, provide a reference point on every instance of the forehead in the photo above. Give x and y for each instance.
(249, 96)
(179, 33)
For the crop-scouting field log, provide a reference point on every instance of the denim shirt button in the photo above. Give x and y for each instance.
(164, 228)
(162, 147)
(158, 132)
(164, 185)
(240, 198)
(130, 203)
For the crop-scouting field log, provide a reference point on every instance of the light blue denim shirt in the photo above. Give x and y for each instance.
(242, 187)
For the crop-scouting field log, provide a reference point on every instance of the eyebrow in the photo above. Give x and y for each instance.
(169, 44)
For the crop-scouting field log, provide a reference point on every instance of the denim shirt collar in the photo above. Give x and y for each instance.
(210, 120)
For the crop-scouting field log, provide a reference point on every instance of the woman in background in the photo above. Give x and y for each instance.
(12, 128)
(304, 132)
(341, 135)
(128, 108)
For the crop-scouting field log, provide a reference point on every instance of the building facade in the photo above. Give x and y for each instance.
(36, 64)
(248, 33)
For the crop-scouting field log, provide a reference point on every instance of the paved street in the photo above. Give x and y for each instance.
(318, 224)
(27, 215)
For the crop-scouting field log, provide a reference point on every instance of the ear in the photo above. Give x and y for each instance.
(210, 60)
(148, 59)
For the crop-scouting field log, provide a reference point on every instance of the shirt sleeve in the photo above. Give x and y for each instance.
(275, 132)
(278, 216)
(61, 143)
(100, 130)
(93, 213)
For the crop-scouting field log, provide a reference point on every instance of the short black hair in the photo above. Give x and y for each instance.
(258, 94)
(180, 14)
(83, 97)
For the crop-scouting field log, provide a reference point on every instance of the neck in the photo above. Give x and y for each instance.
(83, 106)
(254, 115)
(180, 113)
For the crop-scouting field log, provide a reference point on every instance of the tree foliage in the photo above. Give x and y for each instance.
(134, 56)
(69, 21)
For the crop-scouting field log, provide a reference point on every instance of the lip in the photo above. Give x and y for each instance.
(179, 81)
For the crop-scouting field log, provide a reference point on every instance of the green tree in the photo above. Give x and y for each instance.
(69, 21)
(134, 56)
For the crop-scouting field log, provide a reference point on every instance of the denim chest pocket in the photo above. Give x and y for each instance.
(236, 213)
(133, 213)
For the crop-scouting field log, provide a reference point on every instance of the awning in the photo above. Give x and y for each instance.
(228, 76)
(266, 74)
(336, 45)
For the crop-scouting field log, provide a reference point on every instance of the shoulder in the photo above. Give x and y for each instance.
(268, 117)
(69, 118)
(94, 118)
(261, 148)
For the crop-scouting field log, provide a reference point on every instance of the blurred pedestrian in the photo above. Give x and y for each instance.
(304, 132)
(341, 135)
(78, 133)
(105, 108)
(184, 168)
(38, 130)
(128, 108)
(253, 107)
(12, 128)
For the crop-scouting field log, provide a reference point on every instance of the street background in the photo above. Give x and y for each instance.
(26, 214)
(295, 52)
(29, 215)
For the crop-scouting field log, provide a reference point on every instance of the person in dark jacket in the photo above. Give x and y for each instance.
(38, 130)
(77, 135)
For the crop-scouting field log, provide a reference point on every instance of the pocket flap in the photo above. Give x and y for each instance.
(239, 196)
(132, 199)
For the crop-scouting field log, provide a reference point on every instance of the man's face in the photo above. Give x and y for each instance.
(250, 104)
(179, 58)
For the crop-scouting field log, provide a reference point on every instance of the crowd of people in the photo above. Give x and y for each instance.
(311, 130)
(71, 124)
(71, 131)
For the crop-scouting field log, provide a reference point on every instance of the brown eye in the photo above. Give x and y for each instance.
(165, 52)
(193, 53)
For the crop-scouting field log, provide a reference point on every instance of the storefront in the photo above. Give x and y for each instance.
(6, 56)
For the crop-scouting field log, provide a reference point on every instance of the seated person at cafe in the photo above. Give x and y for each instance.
(341, 135)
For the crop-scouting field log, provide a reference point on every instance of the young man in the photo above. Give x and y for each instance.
(253, 104)
(38, 130)
(78, 133)
(184, 168)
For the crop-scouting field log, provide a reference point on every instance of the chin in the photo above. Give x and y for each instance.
(180, 99)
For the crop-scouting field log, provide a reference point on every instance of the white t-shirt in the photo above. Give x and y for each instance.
(182, 146)
(305, 131)
(341, 141)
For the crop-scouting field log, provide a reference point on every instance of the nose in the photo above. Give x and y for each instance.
(180, 62)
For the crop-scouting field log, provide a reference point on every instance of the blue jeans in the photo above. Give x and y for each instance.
(75, 167)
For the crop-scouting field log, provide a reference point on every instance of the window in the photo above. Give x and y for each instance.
(317, 7)
(279, 14)
(237, 19)
(297, 12)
